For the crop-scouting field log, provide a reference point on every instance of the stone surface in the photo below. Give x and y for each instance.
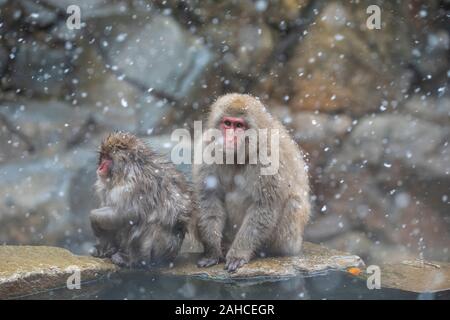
(159, 55)
(29, 269)
(431, 109)
(416, 276)
(389, 141)
(25, 270)
(401, 216)
(360, 244)
(247, 44)
(37, 15)
(340, 65)
(390, 178)
(318, 134)
(279, 12)
(45, 200)
(3, 60)
(142, 56)
(93, 8)
(39, 69)
(315, 259)
(48, 124)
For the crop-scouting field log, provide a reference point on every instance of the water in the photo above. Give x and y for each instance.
(139, 285)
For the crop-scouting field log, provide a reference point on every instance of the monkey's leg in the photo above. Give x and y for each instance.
(107, 218)
(156, 245)
(103, 223)
(120, 259)
(210, 227)
(255, 230)
(288, 236)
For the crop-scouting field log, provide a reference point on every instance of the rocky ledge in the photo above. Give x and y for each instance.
(28, 270)
(416, 276)
(316, 259)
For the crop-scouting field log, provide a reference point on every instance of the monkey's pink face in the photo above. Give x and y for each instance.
(231, 126)
(104, 167)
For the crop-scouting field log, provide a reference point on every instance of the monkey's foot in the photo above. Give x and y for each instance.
(102, 252)
(119, 259)
(233, 264)
(208, 261)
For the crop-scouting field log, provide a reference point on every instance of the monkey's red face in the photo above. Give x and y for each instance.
(231, 126)
(104, 167)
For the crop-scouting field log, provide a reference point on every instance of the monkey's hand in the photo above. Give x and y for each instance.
(104, 251)
(234, 260)
(120, 259)
(208, 261)
(256, 228)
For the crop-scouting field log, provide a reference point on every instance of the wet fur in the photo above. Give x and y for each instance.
(150, 201)
(251, 214)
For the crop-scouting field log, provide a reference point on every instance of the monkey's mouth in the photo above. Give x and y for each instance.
(102, 174)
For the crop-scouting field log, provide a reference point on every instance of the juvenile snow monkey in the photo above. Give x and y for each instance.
(243, 212)
(146, 204)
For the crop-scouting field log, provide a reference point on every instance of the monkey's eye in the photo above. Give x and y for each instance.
(227, 123)
(239, 125)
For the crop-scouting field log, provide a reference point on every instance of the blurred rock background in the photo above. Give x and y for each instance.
(370, 107)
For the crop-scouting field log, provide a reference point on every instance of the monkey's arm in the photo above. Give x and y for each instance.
(106, 218)
(211, 223)
(256, 229)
